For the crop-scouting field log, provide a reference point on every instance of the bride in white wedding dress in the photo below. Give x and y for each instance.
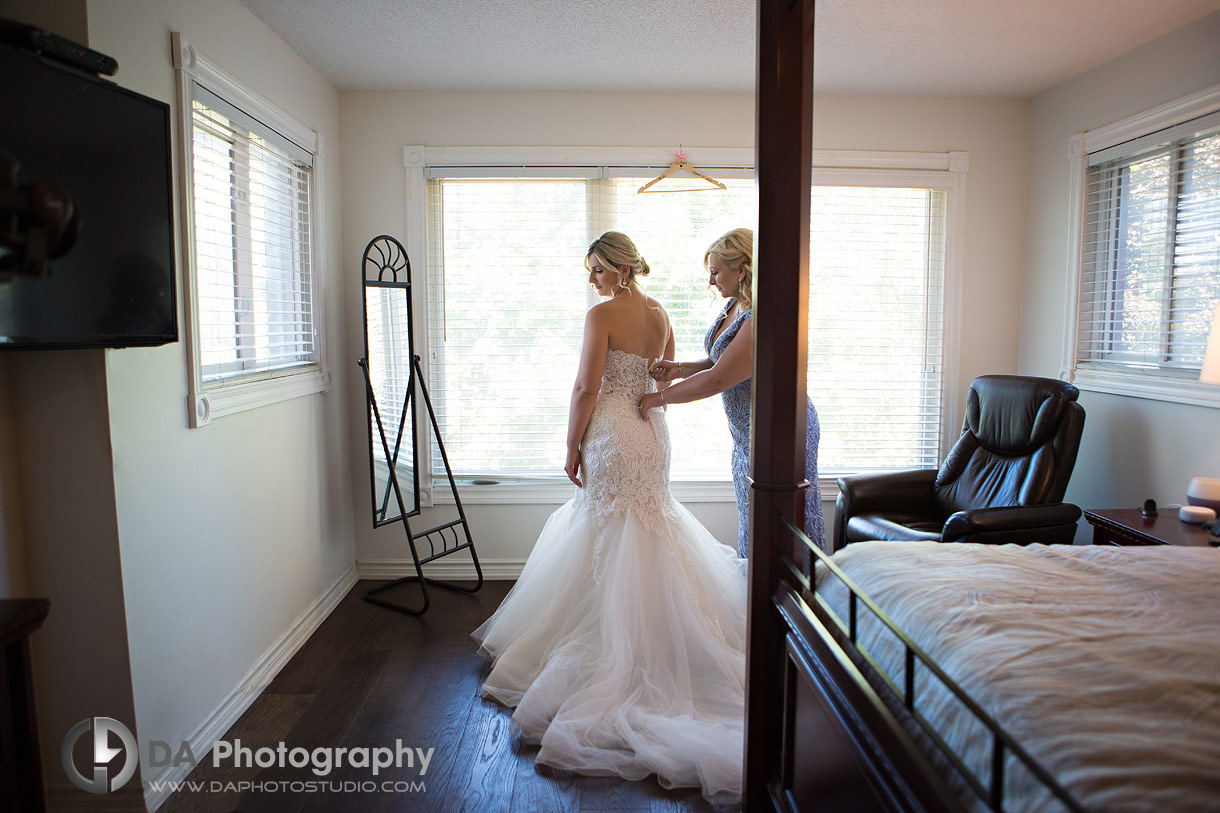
(622, 644)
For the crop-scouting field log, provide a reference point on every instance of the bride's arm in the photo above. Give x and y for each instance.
(584, 391)
(735, 365)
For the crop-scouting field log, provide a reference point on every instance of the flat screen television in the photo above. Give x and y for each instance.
(108, 150)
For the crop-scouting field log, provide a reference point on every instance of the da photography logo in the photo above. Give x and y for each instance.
(103, 754)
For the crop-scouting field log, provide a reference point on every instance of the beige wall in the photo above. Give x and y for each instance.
(1133, 448)
(81, 654)
(228, 533)
(376, 126)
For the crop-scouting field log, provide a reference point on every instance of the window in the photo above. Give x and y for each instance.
(876, 343)
(250, 195)
(672, 231)
(506, 304)
(508, 296)
(1149, 255)
(507, 293)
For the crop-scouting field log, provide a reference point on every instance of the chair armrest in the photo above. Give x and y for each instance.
(891, 490)
(904, 491)
(1022, 524)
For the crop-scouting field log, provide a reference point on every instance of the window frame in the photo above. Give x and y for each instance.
(945, 170)
(207, 401)
(1154, 384)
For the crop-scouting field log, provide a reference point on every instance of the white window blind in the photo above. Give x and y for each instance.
(1150, 266)
(507, 295)
(672, 232)
(252, 245)
(876, 290)
(503, 361)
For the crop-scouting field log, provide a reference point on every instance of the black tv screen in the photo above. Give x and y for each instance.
(108, 149)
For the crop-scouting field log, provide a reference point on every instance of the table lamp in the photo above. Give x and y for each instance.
(1210, 374)
(1205, 492)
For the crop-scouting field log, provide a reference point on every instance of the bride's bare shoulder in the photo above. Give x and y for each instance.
(602, 310)
(657, 308)
(627, 312)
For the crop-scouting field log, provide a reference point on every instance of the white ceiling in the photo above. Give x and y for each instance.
(990, 48)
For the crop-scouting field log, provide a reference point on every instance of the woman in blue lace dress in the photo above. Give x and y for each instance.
(727, 370)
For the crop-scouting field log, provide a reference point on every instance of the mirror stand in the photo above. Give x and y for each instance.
(388, 359)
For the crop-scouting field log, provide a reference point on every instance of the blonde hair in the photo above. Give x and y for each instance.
(736, 250)
(615, 250)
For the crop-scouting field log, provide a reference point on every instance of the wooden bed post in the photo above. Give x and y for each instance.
(783, 172)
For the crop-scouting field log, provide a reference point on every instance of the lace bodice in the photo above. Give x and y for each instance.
(626, 375)
(625, 459)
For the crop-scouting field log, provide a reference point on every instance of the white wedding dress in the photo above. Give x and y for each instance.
(622, 644)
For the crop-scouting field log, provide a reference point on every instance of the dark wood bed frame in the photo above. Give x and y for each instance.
(819, 736)
(836, 670)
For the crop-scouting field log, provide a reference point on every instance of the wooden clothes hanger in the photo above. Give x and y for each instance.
(681, 164)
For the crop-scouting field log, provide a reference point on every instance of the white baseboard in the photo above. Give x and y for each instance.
(248, 689)
(458, 567)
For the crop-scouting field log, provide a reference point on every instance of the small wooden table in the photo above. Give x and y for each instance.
(1127, 526)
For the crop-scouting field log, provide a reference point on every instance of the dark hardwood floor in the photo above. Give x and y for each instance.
(369, 677)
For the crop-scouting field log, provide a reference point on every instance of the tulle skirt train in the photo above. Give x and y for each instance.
(622, 649)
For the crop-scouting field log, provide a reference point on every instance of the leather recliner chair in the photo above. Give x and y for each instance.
(1003, 481)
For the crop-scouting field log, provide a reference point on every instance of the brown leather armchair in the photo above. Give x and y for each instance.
(1003, 481)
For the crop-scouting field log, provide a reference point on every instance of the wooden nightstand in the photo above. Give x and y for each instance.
(1127, 526)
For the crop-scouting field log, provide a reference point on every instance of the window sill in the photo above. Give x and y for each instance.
(557, 493)
(234, 397)
(1157, 388)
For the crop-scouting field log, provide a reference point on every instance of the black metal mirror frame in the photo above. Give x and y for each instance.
(386, 267)
(387, 257)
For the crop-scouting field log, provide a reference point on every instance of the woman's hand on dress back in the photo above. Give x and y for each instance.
(571, 467)
(649, 402)
(664, 371)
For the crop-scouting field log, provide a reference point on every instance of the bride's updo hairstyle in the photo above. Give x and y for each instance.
(614, 250)
(736, 250)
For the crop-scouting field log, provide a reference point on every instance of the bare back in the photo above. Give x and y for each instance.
(637, 324)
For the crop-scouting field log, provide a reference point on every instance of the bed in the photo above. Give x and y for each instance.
(1090, 678)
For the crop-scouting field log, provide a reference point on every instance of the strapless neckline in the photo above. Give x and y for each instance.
(632, 355)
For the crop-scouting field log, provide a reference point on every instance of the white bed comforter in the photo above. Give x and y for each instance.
(1103, 662)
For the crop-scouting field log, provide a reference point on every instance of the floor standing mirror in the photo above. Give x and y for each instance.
(394, 386)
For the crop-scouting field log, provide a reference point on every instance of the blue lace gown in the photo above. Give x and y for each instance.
(737, 409)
